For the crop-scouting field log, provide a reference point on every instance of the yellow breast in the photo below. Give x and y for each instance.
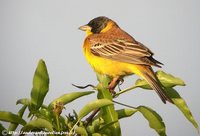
(106, 66)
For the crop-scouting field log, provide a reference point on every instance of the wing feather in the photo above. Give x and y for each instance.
(122, 50)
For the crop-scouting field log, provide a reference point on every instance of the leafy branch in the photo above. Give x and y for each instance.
(105, 118)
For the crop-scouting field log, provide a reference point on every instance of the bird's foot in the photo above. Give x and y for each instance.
(121, 81)
(113, 84)
(111, 90)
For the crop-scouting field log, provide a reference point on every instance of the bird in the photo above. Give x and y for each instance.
(113, 52)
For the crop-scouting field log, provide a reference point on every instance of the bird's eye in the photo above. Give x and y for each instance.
(95, 27)
(98, 24)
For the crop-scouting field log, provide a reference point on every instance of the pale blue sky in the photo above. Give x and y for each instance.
(47, 29)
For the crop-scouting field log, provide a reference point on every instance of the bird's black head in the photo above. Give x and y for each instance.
(98, 24)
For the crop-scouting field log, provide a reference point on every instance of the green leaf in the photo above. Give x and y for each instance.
(81, 131)
(155, 121)
(2, 129)
(44, 113)
(92, 106)
(11, 117)
(123, 113)
(67, 98)
(13, 126)
(181, 104)
(38, 124)
(95, 125)
(167, 80)
(24, 101)
(142, 84)
(96, 104)
(40, 85)
(106, 126)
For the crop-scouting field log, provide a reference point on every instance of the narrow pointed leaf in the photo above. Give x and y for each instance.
(167, 80)
(155, 121)
(40, 85)
(38, 124)
(123, 113)
(92, 106)
(13, 126)
(67, 98)
(142, 84)
(181, 104)
(24, 101)
(11, 117)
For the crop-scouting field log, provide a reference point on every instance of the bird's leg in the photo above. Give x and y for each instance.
(113, 84)
(121, 81)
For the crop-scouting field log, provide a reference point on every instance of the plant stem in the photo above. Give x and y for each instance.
(125, 90)
(108, 112)
(89, 119)
(70, 132)
(124, 105)
(57, 122)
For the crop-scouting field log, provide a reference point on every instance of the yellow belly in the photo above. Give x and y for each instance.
(110, 67)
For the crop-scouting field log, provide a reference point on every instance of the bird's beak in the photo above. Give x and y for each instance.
(85, 28)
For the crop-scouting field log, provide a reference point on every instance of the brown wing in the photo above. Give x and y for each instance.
(122, 50)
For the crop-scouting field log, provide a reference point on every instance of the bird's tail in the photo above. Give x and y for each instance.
(147, 73)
